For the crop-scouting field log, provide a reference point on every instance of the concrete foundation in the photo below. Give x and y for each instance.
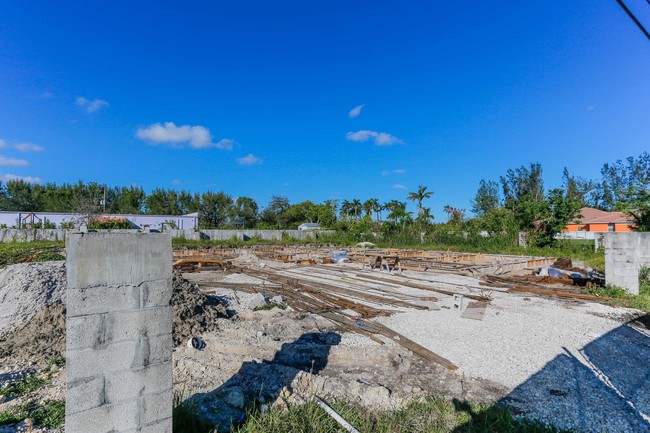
(625, 255)
(118, 333)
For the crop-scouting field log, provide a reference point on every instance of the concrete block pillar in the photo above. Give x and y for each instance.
(625, 255)
(119, 333)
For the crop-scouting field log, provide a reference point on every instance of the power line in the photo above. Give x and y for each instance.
(631, 15)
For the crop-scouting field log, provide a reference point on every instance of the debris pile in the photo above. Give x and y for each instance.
(193, 313)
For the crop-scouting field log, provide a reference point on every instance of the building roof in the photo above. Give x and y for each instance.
(596, 216)
(310, 225)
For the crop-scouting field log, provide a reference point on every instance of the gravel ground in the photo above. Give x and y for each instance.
(571, 363)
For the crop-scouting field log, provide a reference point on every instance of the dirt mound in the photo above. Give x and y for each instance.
(192, 312)
(26, 288)
(42, 337)
(37, 341)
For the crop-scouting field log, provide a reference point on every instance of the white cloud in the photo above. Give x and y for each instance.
(28, 147)
(91, 105)
(249, 159)
(396, 171)
(177, 182)
(591, 108)
(29, 179)
(399, 186)
(380, 138)
(196, 137)
(13, 162)
(3, 144)
(225, 143)
(47, 95)
(356, 111)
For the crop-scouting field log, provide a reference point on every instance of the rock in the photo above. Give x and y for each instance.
(277, 299)
(236, 398)
(257, 301)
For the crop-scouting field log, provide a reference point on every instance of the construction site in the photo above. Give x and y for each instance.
(264, 328)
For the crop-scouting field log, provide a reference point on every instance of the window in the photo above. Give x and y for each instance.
(581, 228)
(611, 227)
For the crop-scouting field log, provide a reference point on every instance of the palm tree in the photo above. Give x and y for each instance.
(345, 208)
(427, 216)
(420, 195)
(356, 207)
(371, 205)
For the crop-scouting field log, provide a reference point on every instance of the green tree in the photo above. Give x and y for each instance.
(162, 202)
(419, 196)
(523, 184)
(245, 211)
(641, 211)
(272, 215)
(455, 215)
(130, 200)
(189, 203)
(560, 211)
(486, 198)
(215, 209)
(355, 208)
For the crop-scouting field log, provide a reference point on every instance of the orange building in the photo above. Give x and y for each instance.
(594, 220)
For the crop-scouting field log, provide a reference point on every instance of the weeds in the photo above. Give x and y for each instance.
(270, 305)
(640, 301)
(432, 415)
(49, 413)
(24, 387)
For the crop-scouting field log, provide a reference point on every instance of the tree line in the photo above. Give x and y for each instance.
(516, 201)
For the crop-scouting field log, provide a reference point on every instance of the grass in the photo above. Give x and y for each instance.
(623, 298)
(39, 251)
(24, 387)
(270, 305)
(49, 413)
(430, 416)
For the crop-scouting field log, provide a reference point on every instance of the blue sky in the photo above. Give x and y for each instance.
(255, 97)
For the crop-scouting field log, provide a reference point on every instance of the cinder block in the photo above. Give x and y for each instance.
(99, 300)
(116, 357)
(113, 259)
(105, 419)
(84, 394)
(157, 406)
(157, 293)
(84, 363)
(161, 349)
(83, 332)
(127, 385)
(162, 426)
(129, 325)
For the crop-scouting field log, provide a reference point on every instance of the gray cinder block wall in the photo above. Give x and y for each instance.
(118, 333)
(625, 255)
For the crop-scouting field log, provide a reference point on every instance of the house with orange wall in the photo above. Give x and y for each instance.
(595, 220)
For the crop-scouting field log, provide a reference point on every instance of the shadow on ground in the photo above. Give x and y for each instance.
(259, 383)
(603, 387)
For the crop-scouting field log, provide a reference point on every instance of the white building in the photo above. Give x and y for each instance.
(137, 221)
